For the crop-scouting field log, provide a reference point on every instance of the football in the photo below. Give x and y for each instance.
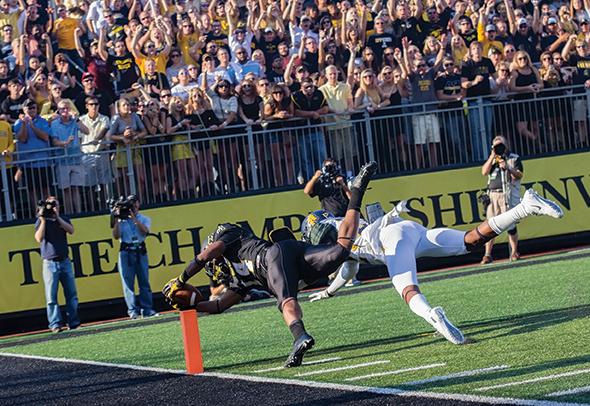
(187, 297)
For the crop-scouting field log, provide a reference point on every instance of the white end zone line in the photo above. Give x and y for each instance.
(95, 363)
(311, 384)
(457, 375)
(533, 380)
(315, 361)
(397, 371)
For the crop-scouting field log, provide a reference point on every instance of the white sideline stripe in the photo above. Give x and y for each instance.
(541, 378)
(317, 385)
(582, 389)
(457, 375)
(397, 371)
(325, 371)
(95, 363)
(317, 361)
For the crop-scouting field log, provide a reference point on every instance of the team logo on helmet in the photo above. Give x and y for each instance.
(312, 219)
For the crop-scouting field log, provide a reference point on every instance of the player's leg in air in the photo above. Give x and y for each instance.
(320, 261)
(531, 205)
(444, 242)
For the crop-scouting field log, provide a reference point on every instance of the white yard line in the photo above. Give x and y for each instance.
(533, 380)
(575, 391)
(317, 361)
(397, 371)
(457, 375)
(325, 371)
(319, 385)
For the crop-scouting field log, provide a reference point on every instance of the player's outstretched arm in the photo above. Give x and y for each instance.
(346, 272)
(221, 304)
(213, 250)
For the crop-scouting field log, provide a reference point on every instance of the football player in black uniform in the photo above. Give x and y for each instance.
(280, 266)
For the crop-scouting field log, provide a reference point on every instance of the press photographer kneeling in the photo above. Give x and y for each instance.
(504, 171)
(329, 185)
(131, 228)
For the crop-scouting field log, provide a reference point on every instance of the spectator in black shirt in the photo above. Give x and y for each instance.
(450, 93)
(526, 38)
(12, 106)
(475, 78)
(333, 195)
(310, 104)
(405, 23)
(277, 73)
(381, 40)
(309, 54)
(105, 103)
(123, 65)
(153, 82)
(581, 61)
(268, 42)
(466, 30)
(436, 25)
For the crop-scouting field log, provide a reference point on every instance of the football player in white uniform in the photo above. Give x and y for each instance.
(396, 243)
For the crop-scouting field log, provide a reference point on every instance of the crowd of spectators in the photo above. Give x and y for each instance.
(105, 74)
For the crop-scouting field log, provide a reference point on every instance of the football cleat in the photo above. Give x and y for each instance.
(537, 205)
(361, 180)
(300, 346)
(445, 327)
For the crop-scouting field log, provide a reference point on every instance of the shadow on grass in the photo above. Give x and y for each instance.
(526, 323)
(510, 325)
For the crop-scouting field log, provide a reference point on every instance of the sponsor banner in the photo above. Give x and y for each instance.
(437, 199)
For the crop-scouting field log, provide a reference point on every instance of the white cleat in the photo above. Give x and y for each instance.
(445, 327)
(537, 205)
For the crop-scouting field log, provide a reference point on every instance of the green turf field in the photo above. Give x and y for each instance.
(529, 328)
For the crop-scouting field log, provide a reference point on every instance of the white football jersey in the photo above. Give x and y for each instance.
(367, 246)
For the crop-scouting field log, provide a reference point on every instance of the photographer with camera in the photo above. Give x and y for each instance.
(131, 227)
(504, 171)
(51, 232)
(329, 185)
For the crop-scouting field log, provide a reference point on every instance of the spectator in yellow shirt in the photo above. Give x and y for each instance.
(64, 30)
(6, 150)
(488, 38)
(11, 18)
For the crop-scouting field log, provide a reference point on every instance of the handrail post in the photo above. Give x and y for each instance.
(369, 133)
(482, 129)
(6, 189)
(130, 170)
(252, 157)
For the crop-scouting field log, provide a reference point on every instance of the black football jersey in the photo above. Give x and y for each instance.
(241, 245)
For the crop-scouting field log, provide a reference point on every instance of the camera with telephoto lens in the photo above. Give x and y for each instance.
(46, 208)
(499, 149)
(330, 172)
(121, 208)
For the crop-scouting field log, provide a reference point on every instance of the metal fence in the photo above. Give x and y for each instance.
(203, 164)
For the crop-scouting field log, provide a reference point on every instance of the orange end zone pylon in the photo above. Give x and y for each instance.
(192, 342)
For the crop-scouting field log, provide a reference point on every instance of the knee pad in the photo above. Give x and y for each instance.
(409, 289)
(282, 304)
(479, 241)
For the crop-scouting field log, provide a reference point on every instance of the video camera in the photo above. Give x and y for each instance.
(122, 207)
(330, 172)
(46, 208)
(500, 149)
